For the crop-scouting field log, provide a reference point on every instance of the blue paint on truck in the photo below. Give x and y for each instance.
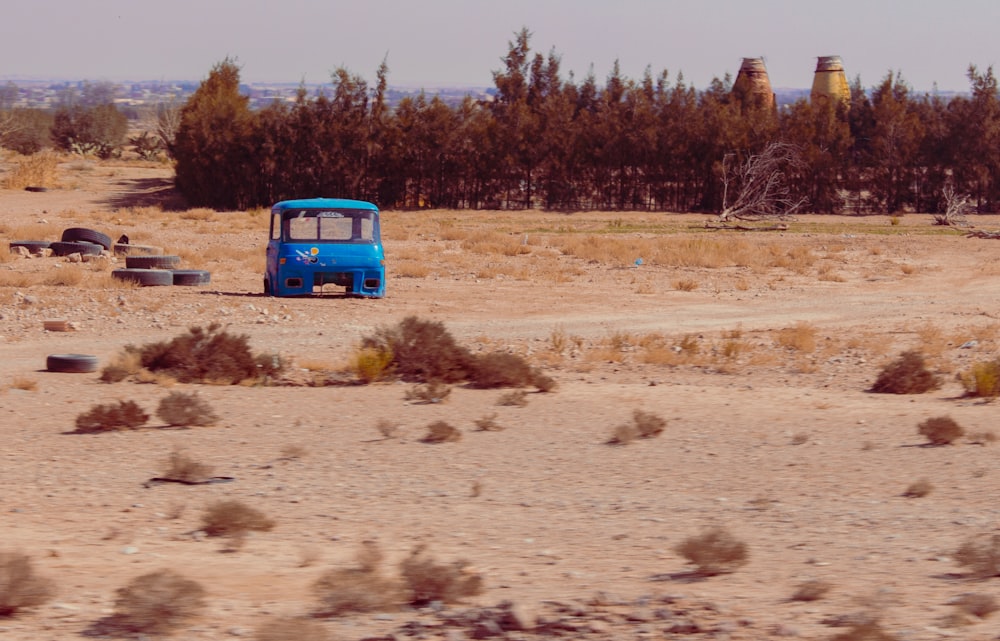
(315, 242)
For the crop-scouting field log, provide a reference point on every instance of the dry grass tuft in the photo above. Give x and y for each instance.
(685, 284)
(644, 425)
(516, 398)
(372, 364)
(24, 384)
(289, 628)
(488, 423)
(110, 417)
(429, 393)
(184, 409)
(157, 603)
(865, 631)
(981, 555)
(714, 551)
(427, 580)
(358, 589)
(233, 518)
(982, 380)
(813, 590)
(978, 605)
(940, 430)
(36, 170)
(908, 374)
(918, 489)
(441, 432)
(20, 587)
(184, 468)
(801, 337)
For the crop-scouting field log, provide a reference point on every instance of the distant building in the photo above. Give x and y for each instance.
(830, 81)
(752, 86)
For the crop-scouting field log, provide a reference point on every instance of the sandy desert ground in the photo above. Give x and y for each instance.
(760, 368)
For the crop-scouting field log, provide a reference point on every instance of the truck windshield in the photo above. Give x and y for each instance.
(336, 226)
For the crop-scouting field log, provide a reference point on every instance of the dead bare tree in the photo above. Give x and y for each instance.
(956, 208)
(762, 186)
(168, 121)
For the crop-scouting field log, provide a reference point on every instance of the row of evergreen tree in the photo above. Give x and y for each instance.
(549, 142)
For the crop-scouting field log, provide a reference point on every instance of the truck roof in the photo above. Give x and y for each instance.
(323, 203)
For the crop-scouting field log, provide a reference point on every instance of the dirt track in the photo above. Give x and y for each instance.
(785, 448)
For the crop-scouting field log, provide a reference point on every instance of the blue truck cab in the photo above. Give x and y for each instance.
(325, 241)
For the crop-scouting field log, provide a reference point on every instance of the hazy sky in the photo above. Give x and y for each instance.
(460, 42)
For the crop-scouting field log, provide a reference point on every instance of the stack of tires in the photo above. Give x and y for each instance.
(75, 240)
(152, 270)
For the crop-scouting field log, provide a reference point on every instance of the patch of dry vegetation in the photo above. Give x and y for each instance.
(233, 518)
(360, 588)
(20, 587)
(428, 580)
(157, 603)
(714, 551)
(110, 417)
(181, 467)
(908, 374)
(36, 170)
(182, 409)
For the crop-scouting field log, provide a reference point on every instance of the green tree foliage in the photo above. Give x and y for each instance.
(215, 145)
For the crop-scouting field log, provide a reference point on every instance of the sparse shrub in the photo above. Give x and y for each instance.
(24, 384)
(714, 551)
(982, 437)
(20, 587)
(918, 489)
(685, 284)
(288, 628)
(123, 415)
(623, 434)
(648, 424)
(430, 392)
(421, 351)
(441, 432)
(388, 429)
(427, 580)
(207, 355)
(233, 518)
(372, 364)
(183, 409)
(982, 380)
(981, 555)
(978, 605)
(488, 423)
(184, 468)
(940, 430)
(906, 375)
(801, 337)
(500, 369)
(358, 589)
(813, 590)
(517, 398)
(157, 603)
(864, 631)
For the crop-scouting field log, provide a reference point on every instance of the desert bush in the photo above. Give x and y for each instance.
(430, 392)
(441, 432)
(813, 590)
(427, 580)
(714, 551)
(918, 489)
(288, 628)
(421, 351)
(157, 603)
(372, 364)
(121, 367)
(981, 555)
(109, 417)
(940, 430)
(644, 425)
(208, 355)
(37, 170)
(488, 423)
(978, 605)
(183, 409)
(864, 631)
(906, 375)
(358, 589)
(388, 429)
(801, 337)
(181, 467)
(517, 398)
(982, 380)
(685, 284)
(233, 518)
(500, 369)
(20, 587)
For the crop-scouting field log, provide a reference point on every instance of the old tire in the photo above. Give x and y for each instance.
(144, 277)
(152, 262)
(190, 277)
(34, 246)
(125, 249)
(71, 363)
(76, 234)
(65, 248)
